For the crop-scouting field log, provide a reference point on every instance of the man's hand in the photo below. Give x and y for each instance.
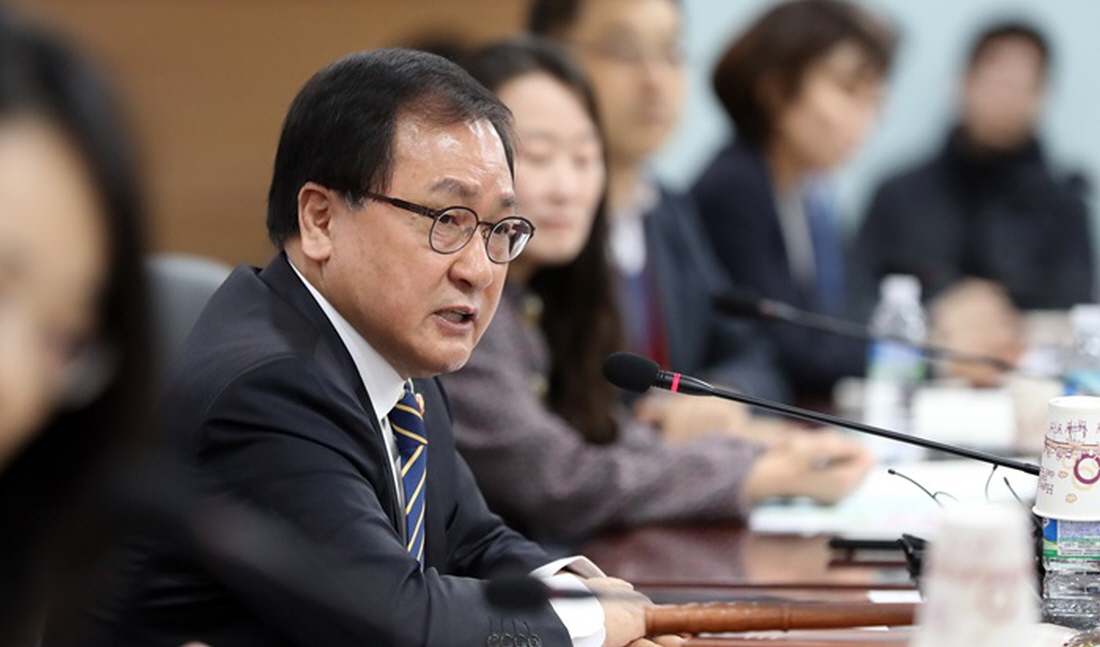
(658, 641)
(822, 465)
(624, 614)
(976, 316)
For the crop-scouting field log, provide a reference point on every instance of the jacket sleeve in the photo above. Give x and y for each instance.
(738, 352)
(286, 440)
(542, 476)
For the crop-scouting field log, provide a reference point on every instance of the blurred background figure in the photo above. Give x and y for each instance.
(552, 447)
(667, 276)
(73, 329)
(802, 85)
(986, 223)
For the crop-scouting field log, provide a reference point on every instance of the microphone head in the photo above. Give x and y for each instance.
(739, 303)
(630, 372)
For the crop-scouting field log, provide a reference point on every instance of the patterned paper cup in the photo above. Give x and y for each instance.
(978, 589)
(1069, 478)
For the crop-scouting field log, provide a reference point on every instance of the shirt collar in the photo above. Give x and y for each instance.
(627, 236)
(645, 199)
(382, 382)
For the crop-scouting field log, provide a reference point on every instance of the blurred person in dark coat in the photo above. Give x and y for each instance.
(986, 223)
(801, 86)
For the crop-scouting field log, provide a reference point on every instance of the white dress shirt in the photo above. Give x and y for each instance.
(627, 235)
(797, 238)
(583, 618)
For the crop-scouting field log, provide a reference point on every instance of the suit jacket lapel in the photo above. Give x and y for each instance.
(281, 277)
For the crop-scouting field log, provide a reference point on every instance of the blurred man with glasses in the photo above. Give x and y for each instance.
(633, 53)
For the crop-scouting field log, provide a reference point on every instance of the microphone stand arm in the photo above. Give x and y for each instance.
(843, 328)
(693, 386)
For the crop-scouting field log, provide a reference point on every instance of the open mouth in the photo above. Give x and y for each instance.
(457, 316)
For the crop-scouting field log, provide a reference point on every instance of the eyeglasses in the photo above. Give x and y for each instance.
(633, 54)
(453, 227)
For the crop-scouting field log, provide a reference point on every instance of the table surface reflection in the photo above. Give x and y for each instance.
(711, 563)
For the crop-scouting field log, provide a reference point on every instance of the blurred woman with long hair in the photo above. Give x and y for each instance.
(554, 449)
(74, 339)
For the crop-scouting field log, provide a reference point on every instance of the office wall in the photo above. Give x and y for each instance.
(208, 82)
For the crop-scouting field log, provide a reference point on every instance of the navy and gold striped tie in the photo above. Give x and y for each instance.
(407, 420)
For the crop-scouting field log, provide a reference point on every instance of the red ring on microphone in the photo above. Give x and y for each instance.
(675, 383)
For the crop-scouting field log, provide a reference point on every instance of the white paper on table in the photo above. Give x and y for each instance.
(884, 506)
(981, 418)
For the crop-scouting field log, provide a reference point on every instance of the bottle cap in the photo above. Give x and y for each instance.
(1085, 316)
(901, 287)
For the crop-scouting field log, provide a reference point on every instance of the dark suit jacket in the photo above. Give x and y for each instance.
(701, 339)
(267, 404)
(737, 204)
(1005, 218)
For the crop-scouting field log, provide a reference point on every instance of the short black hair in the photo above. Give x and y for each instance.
(780, 46)
(552, 18)
(339, 131)
(1009, 29)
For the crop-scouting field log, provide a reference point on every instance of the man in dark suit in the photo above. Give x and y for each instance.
(393, 210)
(669, 277)
(687, 279)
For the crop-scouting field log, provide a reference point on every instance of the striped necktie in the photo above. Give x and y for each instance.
(407, 421)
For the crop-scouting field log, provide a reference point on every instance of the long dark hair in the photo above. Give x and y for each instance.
(581, 320)
(47, 489)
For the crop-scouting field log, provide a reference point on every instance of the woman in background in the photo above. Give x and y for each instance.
(74, 342)
(553, 449)
(801, 86)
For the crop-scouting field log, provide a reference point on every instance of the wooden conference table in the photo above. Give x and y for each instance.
(722, 563)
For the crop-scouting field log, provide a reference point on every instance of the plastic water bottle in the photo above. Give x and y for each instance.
(1082, 374)
(895, 366)
(1071, 585)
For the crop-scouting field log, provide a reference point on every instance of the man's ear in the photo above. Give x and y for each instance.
(315, 212)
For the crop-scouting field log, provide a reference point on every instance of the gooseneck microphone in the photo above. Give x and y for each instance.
(741, 303)
(636, 373)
